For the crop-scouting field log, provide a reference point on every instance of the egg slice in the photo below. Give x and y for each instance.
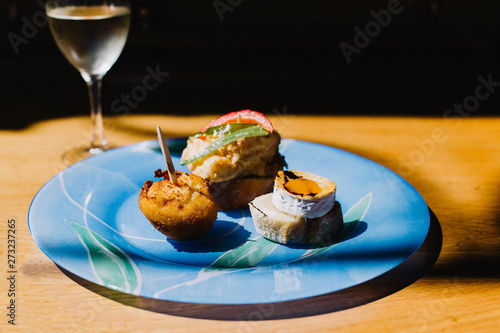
(303, 194)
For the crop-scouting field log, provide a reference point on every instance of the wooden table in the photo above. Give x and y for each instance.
(451, 284)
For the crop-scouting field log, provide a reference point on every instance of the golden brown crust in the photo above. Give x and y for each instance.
(238, 192)
(184, 211)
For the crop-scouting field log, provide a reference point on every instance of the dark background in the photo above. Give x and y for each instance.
(265, 55)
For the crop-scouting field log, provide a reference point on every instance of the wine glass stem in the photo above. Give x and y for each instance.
(97, 139)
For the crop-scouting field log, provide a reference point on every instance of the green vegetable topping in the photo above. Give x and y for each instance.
(221, 130)
(242, 133)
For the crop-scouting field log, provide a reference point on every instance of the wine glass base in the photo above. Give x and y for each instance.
(84, 151)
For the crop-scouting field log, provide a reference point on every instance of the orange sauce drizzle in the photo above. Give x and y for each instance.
(301, 186)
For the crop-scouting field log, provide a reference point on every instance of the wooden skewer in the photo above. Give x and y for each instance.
(166, 156)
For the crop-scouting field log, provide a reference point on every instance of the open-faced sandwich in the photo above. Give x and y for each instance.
(302, 209)
(237, 154)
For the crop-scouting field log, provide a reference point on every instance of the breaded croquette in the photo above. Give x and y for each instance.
(182, 211)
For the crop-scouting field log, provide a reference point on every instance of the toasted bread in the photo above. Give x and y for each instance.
(284, 228)
(236, 193)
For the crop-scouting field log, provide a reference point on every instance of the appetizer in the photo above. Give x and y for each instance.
(237, 154)
(302, 209)
(182, 211)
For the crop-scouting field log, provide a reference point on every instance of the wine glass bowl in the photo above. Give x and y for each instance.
(91, 35)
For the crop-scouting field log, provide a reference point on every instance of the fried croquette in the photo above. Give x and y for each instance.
(185, 211)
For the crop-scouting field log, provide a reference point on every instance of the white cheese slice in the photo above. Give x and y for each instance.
(308, 205)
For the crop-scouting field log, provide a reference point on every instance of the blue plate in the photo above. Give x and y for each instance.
(87, 220)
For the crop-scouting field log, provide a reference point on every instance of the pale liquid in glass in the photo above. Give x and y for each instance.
(91, 38)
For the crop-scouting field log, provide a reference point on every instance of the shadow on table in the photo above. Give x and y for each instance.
(384, 285)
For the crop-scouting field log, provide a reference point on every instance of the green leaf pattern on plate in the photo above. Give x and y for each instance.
(254, 251)
(113, 267)
(351, 220)
(116, 270)
(358, 211)
(246, 255)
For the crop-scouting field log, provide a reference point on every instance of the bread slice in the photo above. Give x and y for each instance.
(284, 228)
(236, 193)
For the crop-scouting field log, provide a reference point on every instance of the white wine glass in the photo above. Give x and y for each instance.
(91, 34)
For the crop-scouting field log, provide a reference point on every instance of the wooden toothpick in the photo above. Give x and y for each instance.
(166, 156)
